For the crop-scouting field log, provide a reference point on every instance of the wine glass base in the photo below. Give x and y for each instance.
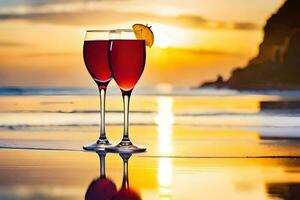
(119, 148)
(100, 145)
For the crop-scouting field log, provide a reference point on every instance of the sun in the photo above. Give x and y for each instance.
(170, 36)
(161, 39)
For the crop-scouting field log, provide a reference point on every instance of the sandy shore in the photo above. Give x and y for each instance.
(195, 147)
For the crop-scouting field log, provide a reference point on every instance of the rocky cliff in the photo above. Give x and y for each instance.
(277, 65)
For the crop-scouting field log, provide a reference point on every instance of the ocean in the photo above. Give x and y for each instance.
(49, 108)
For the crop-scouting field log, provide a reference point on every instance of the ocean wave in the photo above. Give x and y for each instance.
(194, 125)
(73, 111)
(278, 112)
(144, 91)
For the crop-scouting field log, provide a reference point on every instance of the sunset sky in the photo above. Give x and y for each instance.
(195, 40)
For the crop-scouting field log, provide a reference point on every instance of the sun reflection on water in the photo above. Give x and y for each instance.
(165, 120)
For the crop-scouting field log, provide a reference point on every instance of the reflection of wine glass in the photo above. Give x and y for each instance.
(101, 188)
(126, 193)
(127, 59)
(95, 53)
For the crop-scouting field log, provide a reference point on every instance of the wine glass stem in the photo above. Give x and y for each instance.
(102, 92)
(126, 100)
(125, 182)
(102, 164)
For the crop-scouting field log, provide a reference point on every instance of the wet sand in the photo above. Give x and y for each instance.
(195, 149)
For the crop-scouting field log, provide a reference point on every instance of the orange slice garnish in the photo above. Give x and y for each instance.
(144, 32)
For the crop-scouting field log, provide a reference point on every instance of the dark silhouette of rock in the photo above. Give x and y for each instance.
(284, 191)
(219, 83)
(277, 65)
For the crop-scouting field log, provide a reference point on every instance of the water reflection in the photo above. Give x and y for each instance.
(284, 191)
(165, 172)
(103, 188)
(165, 120)
(125, 192)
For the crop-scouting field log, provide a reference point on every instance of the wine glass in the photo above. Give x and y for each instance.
(95, 53)
(127, 59)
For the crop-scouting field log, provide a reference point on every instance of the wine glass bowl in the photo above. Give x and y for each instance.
(95, 53)
(127, 60)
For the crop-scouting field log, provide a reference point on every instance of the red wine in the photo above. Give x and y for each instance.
(126, 194)
(127, 60)
(95, 55)
(101, 188)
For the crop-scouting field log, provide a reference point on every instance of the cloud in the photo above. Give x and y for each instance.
(51, 54)
(38, 2)
(200, 22)
(105, 17)
(10, 44)
(77, 14)
(198, 51)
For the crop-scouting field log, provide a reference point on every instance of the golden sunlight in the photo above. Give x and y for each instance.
(170, 36)
(201, 43)
(165, 120)
(162, 40)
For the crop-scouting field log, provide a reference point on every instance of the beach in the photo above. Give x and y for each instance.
(213, 88)
(201, 144)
